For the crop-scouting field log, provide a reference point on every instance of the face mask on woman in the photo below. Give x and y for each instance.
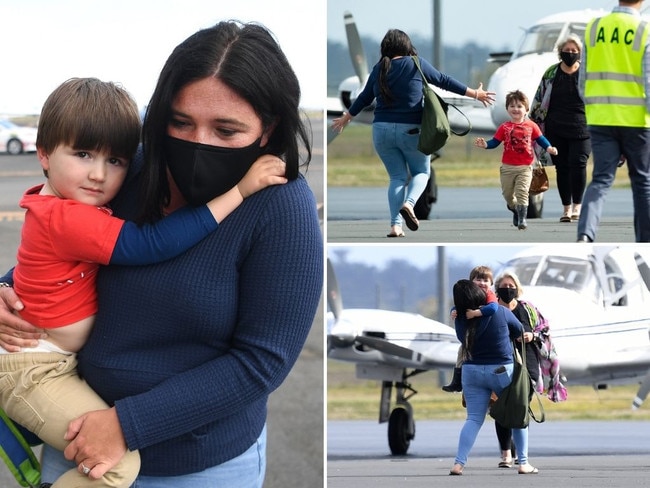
(202, 172)
(569, 58)
(507, 294)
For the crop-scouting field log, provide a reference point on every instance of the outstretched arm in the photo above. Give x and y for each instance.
(186, 227)
(491, 144)
(545, 144)
(483, 96)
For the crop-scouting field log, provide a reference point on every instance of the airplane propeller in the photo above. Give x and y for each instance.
(331, 133)
(335, 302)
(644, 389)
(357, 55)
(334, 299)
(389, 348)
(642, 394)
(644, 269)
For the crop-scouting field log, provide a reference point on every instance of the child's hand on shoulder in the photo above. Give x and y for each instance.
(551, 150)
(480, 142)
(266, 170)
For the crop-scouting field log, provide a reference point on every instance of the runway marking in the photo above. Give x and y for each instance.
(12, 216)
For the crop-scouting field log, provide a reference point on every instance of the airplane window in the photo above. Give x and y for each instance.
(543, 38)
(539, 39)
(558, 271)
(578, 29)
(524, 268)
(615, 282)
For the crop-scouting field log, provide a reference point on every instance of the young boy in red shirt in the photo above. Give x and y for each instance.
(518, 136)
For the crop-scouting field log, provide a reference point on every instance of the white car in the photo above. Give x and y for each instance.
(15, 139)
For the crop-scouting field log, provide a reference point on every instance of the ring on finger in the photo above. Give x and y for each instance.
(84, 469)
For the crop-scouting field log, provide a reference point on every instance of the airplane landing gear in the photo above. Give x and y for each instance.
(401, 425)
(401, 429)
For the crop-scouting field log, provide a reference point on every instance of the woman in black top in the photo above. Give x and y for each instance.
(560, 112)
(508, 290)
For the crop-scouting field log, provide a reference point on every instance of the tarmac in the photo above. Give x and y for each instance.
(611, 230)
(570, 454)
(558, 471)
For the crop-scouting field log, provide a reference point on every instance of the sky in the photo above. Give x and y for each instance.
(425, 255)
(45, 42)
(495, 23)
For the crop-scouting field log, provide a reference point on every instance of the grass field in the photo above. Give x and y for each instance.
(351, 399)
(352, 161)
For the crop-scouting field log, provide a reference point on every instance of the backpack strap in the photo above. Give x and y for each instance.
(416, 60)
(17, 454)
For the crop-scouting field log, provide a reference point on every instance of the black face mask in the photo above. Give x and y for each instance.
(507, 294)
(569, 58)
(204, 172)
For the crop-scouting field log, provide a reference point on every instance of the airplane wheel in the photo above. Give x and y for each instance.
(399, 436)
(535, 206)
(429, 196)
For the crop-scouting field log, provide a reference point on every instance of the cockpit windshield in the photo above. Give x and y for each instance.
(542, 38)
(559, 271)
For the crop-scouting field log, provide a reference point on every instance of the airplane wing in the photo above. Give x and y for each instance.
(392, 338)
(608, 366)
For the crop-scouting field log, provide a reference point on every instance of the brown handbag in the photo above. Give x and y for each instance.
(539, 182)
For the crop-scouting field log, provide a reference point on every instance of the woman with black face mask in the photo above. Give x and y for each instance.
(188, 351)
(508, 289)
(559, 111)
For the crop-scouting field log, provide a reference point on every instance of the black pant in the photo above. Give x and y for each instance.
(570, 165)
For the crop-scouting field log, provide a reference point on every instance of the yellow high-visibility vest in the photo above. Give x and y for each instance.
(614, 84)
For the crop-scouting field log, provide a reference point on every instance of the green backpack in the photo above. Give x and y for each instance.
(17, 453)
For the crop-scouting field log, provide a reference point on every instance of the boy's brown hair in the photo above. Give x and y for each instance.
(517, 96)
(481, 273)
(87, 113)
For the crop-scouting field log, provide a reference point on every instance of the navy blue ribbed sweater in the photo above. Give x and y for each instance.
(494, 336)
(405, 84)
(189, 350)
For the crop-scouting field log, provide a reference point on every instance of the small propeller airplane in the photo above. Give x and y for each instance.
(521, 69)
(597, 301)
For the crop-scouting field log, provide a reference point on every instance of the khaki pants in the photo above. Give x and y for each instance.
(42, 392)
(515, 184)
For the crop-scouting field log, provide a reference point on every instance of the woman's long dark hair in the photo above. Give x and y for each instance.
(395, 43)
(248, 59)
(468, 296)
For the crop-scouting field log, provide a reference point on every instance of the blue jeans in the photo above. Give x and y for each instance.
(608, 144)
(398, 151)
(479, 381)
(245, 471)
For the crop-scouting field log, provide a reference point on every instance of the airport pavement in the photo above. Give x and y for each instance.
(555, 471)
(468, 215)
(611, 230)
(567, 453)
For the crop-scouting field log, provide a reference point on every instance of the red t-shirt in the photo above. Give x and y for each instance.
(62, 244)
(518, 140)
(490, 296)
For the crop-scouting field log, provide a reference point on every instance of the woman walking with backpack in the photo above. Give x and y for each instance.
(396, 85)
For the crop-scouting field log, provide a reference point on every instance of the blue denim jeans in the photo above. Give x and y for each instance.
(479, 381)
(245, 471)
(608, 144)
(398, 151)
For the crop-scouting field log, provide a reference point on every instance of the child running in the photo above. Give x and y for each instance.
(518, 136)
(483, 277)
(88, 132)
